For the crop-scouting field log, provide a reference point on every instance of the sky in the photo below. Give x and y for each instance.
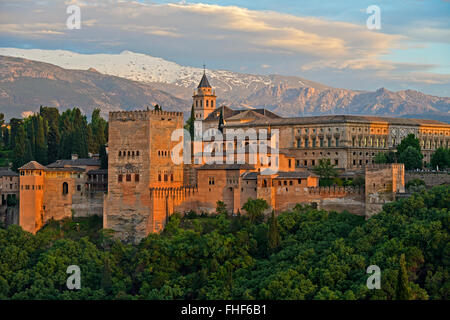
(327, 41)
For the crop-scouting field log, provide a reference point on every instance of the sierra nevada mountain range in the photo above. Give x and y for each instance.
(130, 81)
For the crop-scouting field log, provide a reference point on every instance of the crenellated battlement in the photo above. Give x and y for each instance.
(141, 115)
(382, 166)
(336, 190)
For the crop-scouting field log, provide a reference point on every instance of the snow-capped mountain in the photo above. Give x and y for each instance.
(134, 66)
(174, 84)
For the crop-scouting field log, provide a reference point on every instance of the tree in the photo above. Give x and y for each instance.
(221, 208)
(326, 171)
(380, 158)
(441, 158)
(190, 123)
(51, 118)
(255, 208)
(40, 153)
(274, 233)
(409, 141)
(97, 132)
(157, 107)
(221, 122)
(22, 149)
(411, 157)
(402, 291)
(385, 157)
(103, 157)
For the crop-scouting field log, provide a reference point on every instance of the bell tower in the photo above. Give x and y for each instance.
(204, 99)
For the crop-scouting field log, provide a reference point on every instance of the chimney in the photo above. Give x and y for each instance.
(74, 156)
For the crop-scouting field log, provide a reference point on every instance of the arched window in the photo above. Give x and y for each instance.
(65, 188)
(212, 103)
(120, 153)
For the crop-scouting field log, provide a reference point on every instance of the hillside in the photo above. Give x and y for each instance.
(25, 85)
(317, 255)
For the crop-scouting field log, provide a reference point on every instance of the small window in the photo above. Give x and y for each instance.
(120, 179)
(136, 177)
(78, 187)
(65, 188)
(128, 177)
(120, 153)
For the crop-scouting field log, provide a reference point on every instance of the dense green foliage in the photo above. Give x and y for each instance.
(301, 254)
(48, 135)
(441, 158)
(326, 172)
(385, 157)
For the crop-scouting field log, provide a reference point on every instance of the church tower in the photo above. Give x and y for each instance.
(204, 99)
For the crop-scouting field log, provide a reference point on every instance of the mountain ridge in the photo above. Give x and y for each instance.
(285, 95)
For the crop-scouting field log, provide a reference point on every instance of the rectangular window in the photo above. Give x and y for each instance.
(299, 143)
(313, 143)
(128, 177)
(120, 179)
(306, 143)
(329, 142)
(321, 142)
(78, 188)
(136, 178)
(289, 163)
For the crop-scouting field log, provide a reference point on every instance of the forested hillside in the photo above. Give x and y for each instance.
(302, 254)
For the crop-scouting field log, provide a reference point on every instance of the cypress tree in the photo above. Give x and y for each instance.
(221, 123)
(53, 136)
(274, 233)
(103, 157)
(402, 291)
(22, 149)
(190, 123)
(40, 141)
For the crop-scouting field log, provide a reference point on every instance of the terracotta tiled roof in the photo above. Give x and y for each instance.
(229, 113)
(6, 172)
(343, 118)
(32, 165)
(74, 163)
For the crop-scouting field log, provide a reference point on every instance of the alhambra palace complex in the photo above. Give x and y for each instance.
(142, 186)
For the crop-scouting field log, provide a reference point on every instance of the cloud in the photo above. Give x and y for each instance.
(226, 36)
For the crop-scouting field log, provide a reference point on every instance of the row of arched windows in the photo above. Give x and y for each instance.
(163, 153)
(208, 103)
(128, 177)
(165, 176)
(128, 153)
